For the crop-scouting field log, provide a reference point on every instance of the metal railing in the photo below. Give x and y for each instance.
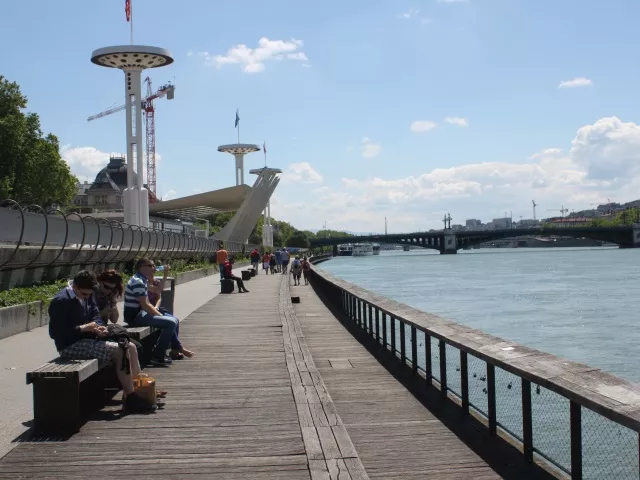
(572, 418)
(32, 237)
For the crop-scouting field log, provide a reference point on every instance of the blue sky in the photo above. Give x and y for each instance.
(404, 109)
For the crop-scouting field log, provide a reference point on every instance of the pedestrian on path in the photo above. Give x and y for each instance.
(306, 268)
(255, 259)
(221, 257)
(265, 262)
(296, 270)
(285, 261)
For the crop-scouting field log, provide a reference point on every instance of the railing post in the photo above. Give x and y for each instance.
(359, 304)
(443, 368)
(403, 343)
(384, 330)
(575, 414)
(414, 349)
(527, 421)
(370, 318)
(464, 382)
(354, 313)
(393, 334)
(427, 360)
(377, 326)
(491, 398)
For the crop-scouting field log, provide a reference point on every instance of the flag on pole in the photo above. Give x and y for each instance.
(127, 9)
(237, 119)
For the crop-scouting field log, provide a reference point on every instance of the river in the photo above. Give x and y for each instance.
(577, 303)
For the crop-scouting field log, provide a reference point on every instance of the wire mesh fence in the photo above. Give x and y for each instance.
(478, 398)
(509, 403)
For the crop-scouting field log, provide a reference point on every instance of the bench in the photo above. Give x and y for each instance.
(64, 389)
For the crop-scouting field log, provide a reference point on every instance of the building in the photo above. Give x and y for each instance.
(501, 223)
(473, 223)
(81, 198)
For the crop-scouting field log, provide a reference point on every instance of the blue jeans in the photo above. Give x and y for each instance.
(221, 268)
(168, 328)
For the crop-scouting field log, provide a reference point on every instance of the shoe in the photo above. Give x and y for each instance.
(133, 404)
(161, 361)
(246, 291)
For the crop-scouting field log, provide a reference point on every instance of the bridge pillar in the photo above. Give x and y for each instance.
(448, 245)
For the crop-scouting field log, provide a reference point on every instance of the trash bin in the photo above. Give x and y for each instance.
(168, 294)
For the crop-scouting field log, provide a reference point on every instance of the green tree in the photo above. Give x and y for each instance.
(31, 168)
(298, 239)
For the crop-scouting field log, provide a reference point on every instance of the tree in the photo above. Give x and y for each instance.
(298, 239)
(31, 168)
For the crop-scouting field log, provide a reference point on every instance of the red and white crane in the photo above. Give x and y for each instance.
(167, 90)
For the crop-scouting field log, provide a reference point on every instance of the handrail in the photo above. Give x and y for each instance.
(599, 412)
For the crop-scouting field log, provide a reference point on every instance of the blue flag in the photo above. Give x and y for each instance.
(237, 119)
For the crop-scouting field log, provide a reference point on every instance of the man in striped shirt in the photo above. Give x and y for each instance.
(138, 311)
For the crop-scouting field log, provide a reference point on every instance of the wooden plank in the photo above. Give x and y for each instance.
(343, 440)
(312, 443)
(328, 443)
(319, 470)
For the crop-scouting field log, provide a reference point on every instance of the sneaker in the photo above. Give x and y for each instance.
(161, 361)
(136, 405)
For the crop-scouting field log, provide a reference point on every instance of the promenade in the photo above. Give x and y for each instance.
(275, 392)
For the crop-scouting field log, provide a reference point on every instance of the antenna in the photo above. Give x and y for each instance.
(534, 208)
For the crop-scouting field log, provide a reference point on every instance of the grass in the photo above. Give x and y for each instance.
(47, 290)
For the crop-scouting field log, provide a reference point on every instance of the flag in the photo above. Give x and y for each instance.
(264, 147)
(237, 119)
(127, 9)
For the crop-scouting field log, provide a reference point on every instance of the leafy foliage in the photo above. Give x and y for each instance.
(298, 239)
(31, 168)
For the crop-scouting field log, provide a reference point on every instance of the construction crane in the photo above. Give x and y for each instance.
(562, 210)
(534, 208)
(167, 90)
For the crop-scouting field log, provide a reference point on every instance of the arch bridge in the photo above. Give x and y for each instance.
(449, 241)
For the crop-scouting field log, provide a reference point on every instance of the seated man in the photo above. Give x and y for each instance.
(228, 274)
(139, 312)
(77, 330)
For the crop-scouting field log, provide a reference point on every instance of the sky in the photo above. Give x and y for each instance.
(404, 109)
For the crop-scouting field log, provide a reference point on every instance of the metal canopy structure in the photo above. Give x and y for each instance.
(202, 204)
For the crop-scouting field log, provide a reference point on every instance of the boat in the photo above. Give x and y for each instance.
(362, 249)
(376, 249)
(345, 250)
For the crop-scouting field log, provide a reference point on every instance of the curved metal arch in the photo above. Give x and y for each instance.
(176, 243)
(148, 242)
(95, 221)
(19, 242)
(118, 224)
(84, 233)
(126, 257)
(141, 240)
(161, 252)
(156, 234)
(66, 236)
(108, 224)
(46, 233)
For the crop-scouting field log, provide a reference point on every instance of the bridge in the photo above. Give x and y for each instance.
(449, 241)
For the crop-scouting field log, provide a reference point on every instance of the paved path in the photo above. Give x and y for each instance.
(26, 351)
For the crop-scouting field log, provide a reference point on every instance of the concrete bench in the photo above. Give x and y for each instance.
(57, 400)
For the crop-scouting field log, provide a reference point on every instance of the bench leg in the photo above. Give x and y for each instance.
(56, 405)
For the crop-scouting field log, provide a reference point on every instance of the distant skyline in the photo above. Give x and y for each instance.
(404, 109)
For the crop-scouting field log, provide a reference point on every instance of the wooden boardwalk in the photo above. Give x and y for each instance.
(395, 435)
(253, 404)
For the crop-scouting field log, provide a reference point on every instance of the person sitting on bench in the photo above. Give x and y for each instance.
(110, 289)
(139, 312)
(228, 274)
(76, 328)
(156, 286)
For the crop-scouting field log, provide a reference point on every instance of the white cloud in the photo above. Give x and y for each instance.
(460, 122)
(602, 161)
(421, 126)
(253, 60)
(84, 162)
(370, 149)
(413, 14)
(301, 172)
(575, 83)
(170, 195)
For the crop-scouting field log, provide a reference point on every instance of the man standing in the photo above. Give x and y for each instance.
(221, 257)
(278, 260)
(76, 328)
(139, 312)
(285, 260)
(255, 259)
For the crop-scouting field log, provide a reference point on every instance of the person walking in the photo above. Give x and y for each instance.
(296, 270)
(285, 261)
(306, 268)
(266, 258)
(255, 259)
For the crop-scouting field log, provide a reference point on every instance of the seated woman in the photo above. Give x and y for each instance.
(156, 286)
(228, 274)
(110, 289)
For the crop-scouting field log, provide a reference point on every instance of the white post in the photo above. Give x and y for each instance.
(130, 196)
(239, 168)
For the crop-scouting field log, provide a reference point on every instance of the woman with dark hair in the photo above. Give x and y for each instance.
(110, 288)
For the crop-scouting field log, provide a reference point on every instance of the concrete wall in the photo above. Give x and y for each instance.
(22, 318)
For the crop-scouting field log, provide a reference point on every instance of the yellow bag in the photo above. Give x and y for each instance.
(145, 386)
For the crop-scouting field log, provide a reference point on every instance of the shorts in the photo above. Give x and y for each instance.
(265, 265)
(88, 348)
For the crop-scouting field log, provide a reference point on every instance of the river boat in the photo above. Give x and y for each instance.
(376, 248)
(345, 250)
(362, 249)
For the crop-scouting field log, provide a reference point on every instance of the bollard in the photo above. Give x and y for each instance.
(168, 294)
(227, 285)
(254, 272)
(246, 274)
(295, 299)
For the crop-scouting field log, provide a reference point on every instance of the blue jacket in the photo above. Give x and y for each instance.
(66, 314)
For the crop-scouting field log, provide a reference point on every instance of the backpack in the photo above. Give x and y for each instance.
(119, 334)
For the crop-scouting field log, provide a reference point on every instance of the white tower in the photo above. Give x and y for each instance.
(239, 150)
(267, 228)
(132, 60)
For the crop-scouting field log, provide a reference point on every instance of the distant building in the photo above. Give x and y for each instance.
(472, 222)
(81, 198)
(501, 223)
(457, 228)
(528, 222)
